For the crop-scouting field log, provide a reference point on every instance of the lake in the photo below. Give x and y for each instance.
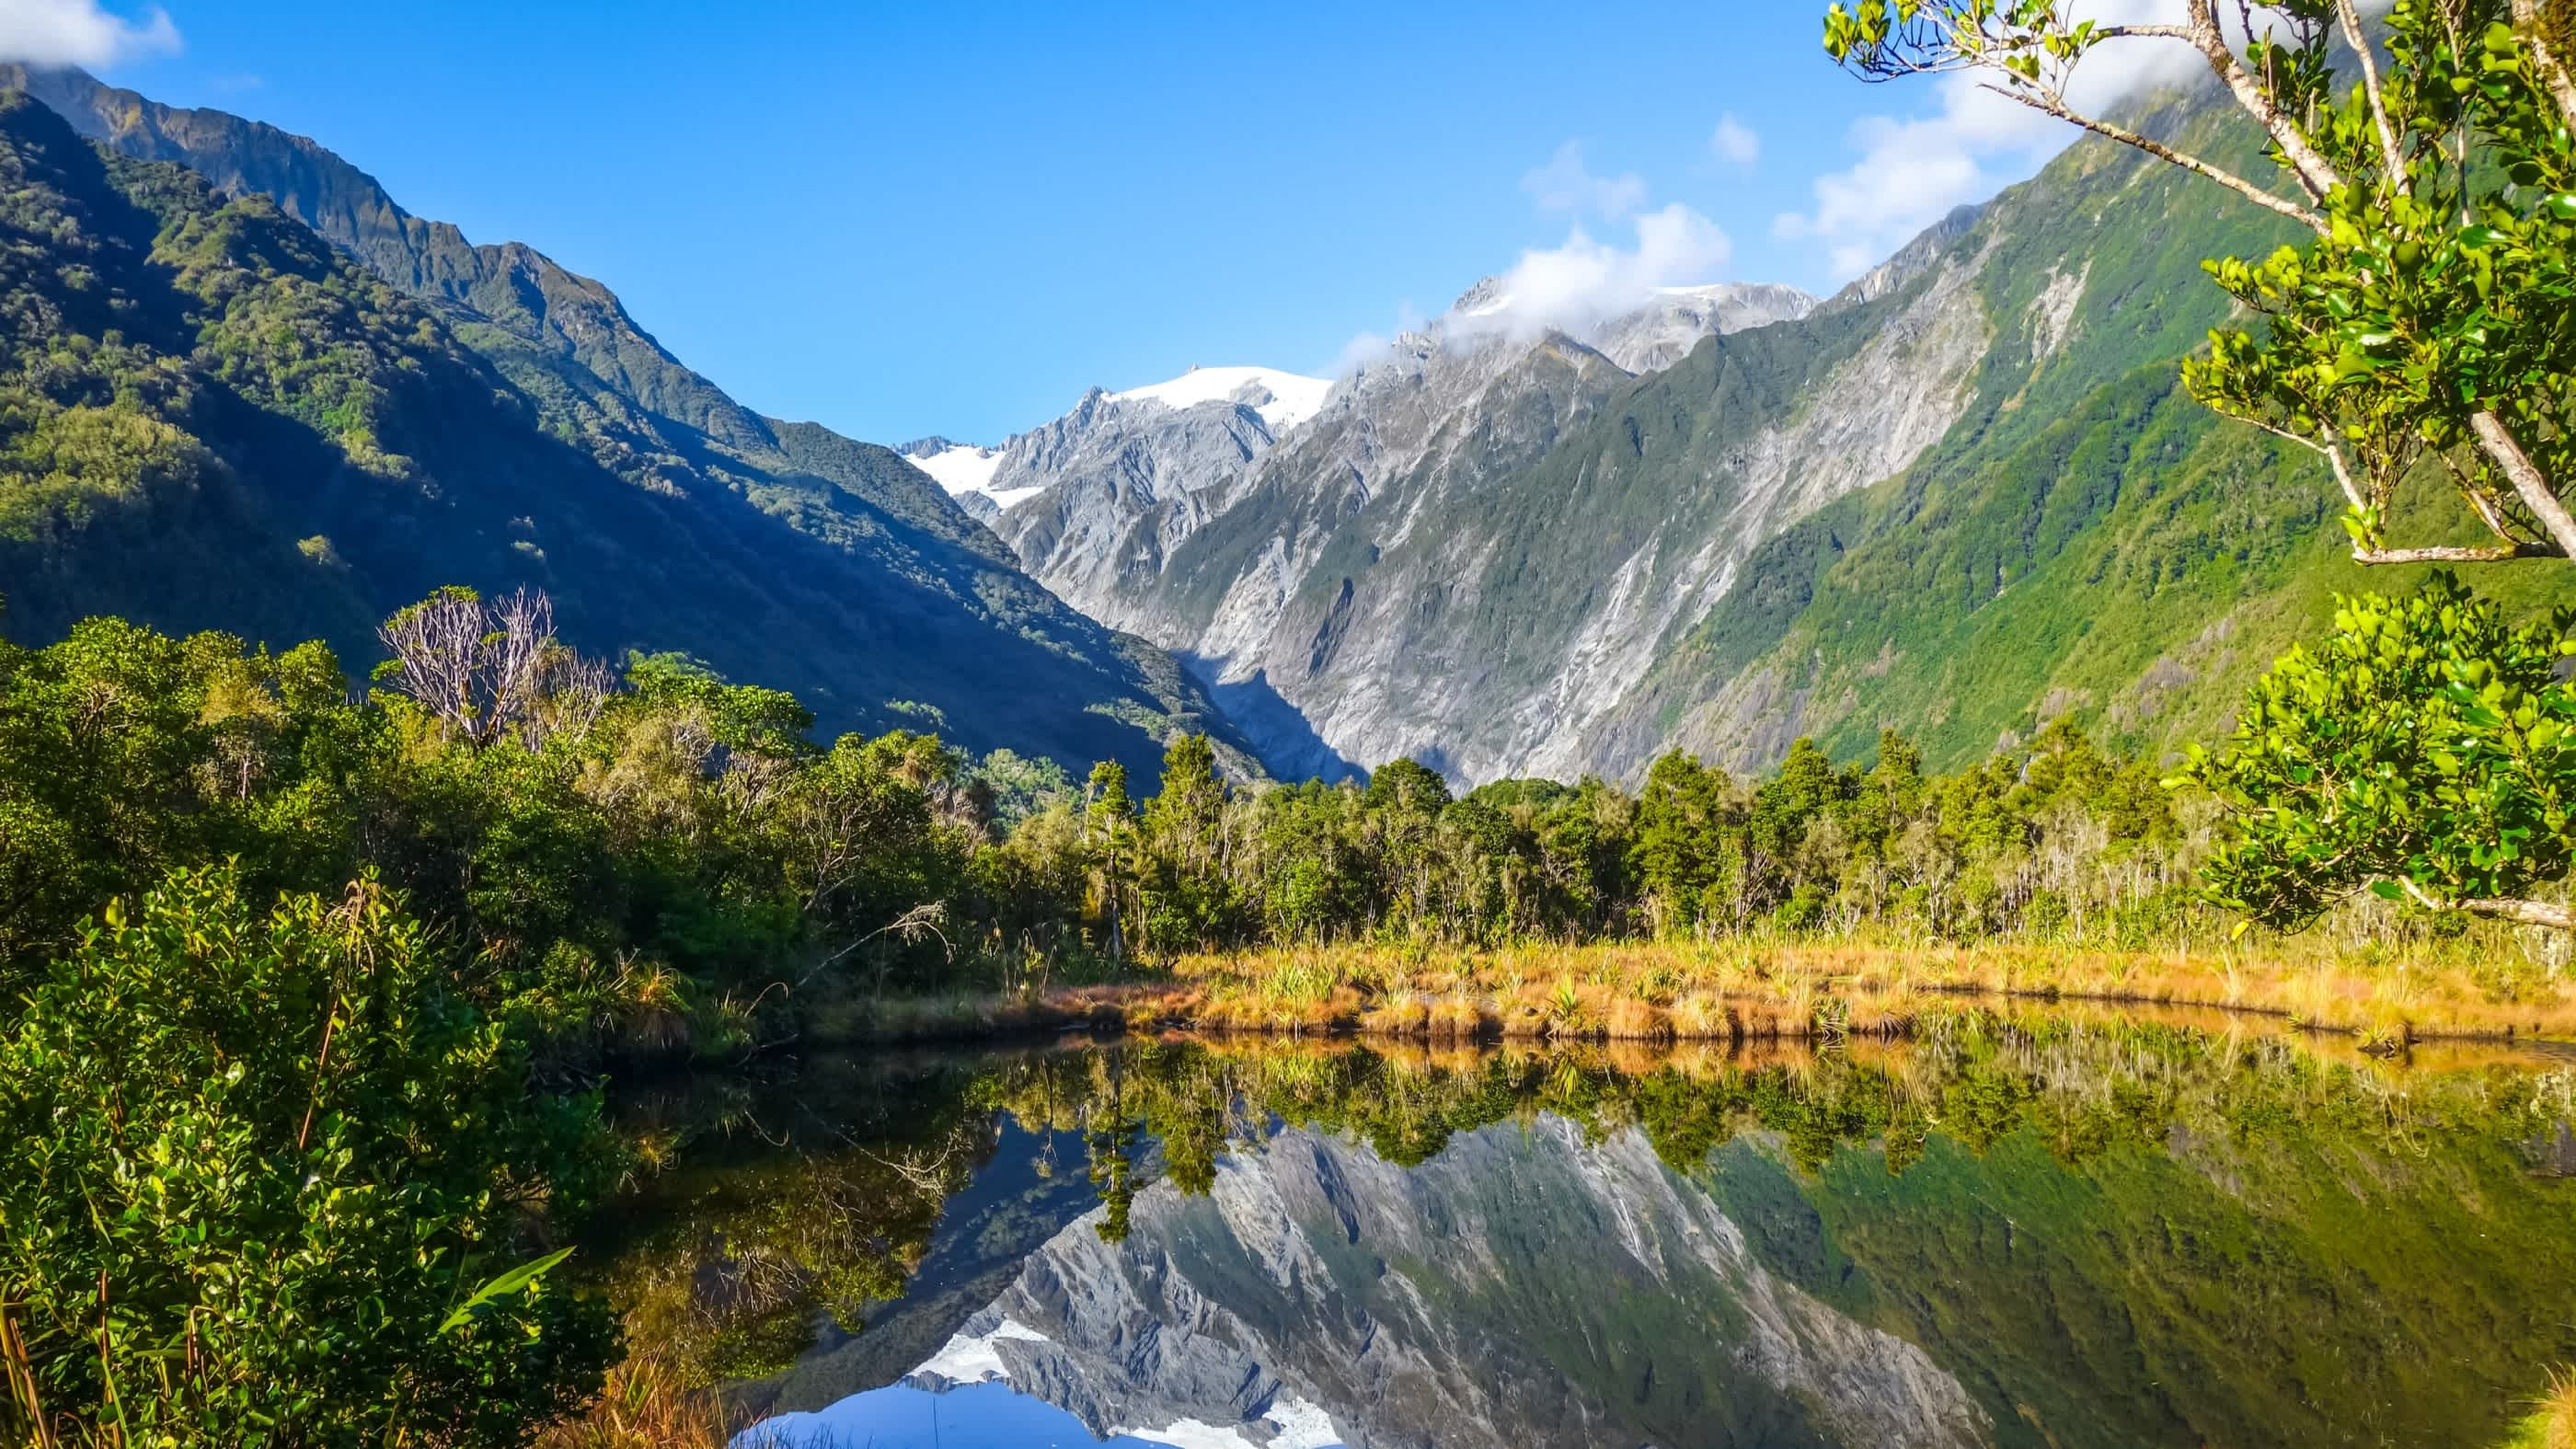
(2040, 1230)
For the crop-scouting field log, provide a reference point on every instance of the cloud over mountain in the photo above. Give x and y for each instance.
(82, 33)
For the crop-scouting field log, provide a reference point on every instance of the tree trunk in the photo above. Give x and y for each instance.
(2527, 913)
(2498, 443)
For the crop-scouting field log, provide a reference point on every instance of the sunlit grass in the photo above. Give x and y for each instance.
(1756, 990)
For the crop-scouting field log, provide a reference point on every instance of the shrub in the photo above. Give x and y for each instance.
(254, 1171)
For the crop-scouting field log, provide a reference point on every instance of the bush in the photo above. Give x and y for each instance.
(253, 1172)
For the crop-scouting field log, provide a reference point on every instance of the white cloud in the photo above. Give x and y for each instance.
(1369, 347)
(79, 32)
(1564, 184)
(1586, 280)
(1913, 170)
(1734, 142)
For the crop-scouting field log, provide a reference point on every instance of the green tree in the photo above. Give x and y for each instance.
(2427, 751)
(1184, 837)
(1680, 842)
(1109, 830)
(2425, 317)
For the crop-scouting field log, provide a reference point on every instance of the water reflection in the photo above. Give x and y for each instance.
(2047, 1231)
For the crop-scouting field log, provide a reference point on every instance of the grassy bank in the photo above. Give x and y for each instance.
(1737, 991)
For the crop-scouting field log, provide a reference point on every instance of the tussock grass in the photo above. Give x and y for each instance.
(646, 1404)
(2552, 1423)
(1738, 992)
(1789, 991)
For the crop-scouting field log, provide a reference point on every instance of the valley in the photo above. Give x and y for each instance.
(1972, 852)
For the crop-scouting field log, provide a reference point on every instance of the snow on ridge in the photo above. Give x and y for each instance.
(1296, 1423)
(961, 468)
(1294, 397)
(970, 1358)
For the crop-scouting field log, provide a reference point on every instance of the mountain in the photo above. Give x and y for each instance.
(1110, 486)
(272, 438)
(1388, 581)
(1102, 503)
(1962, 497)
(2083, 539)
(1319, 1294)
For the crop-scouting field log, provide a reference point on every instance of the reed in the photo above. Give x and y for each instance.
(647, 1404)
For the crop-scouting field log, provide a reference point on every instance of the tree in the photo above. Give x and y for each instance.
(2425, 320)
(1184, 837)
(484, 671)
(1109, 821)
(2426, 752)
(1679, 838)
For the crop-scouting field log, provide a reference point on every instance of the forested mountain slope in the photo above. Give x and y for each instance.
(1964, 497)
(2086, 539)
(211, 418)
(494, 420)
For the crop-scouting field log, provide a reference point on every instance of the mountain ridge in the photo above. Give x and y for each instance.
(809, 561)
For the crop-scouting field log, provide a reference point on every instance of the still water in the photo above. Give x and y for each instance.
(2039, 1231)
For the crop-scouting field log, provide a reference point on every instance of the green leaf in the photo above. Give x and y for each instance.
(517, 1280)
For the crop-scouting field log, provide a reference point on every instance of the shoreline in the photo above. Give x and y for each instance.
(1692, 994)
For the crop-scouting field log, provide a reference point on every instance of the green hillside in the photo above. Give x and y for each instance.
(2085, 540)
(209, 417)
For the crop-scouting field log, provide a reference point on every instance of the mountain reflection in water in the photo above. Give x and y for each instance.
(2011, 1231)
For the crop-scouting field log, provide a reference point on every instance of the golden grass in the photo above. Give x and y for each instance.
(2552, 1422)
(645, 1405)
(2557, 1411)
(1739, 991)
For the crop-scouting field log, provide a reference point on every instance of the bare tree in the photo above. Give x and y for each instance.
(488, 671)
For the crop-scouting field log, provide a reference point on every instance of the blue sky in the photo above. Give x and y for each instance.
(905, 219)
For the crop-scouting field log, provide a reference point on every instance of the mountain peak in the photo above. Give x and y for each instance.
(1283, 399)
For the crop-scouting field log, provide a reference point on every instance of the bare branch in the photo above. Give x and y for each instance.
(922, 920)
(2552, 68)
(2391, 154)
(484, 671)
(2527, 913)
(2491, 553)
(2498, 443)
(2315, 173)
(2055, 105)
(2482, 501)
(2498, 908)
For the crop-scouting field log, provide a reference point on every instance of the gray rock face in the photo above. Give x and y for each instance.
(1121, 481)
(1477, 548)
(1524, 1287)
(1664, 331)
(1127, 484)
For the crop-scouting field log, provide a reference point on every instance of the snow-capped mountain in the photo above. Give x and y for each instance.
(1180, 433)
(1284, 399)
(958, 467)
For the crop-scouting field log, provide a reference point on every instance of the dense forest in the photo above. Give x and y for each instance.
(567, 823)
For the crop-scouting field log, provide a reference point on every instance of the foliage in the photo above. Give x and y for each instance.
(211, 417)
(600, 843)
(254, 1167)
(2422, 319)
(2427, 750)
